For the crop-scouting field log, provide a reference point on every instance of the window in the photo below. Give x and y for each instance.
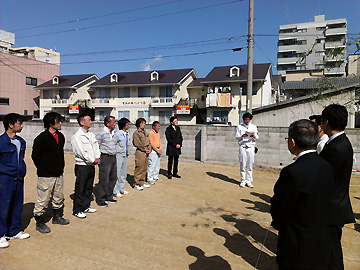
(4, 101)
(25, 112)
(220, 116)
(124, 92)
(104, 93)
(64, 94)
(154, 76)
(320, 40)
(145, 115)
(301, 42)
(144, 91)
(164, 117)
(31, 81)
(165, 91)
(244, 88)
(320, 28)
(319, 53)
(123, 114)
(113, 77)
(101, 115)
(47, 94)
(302, 30)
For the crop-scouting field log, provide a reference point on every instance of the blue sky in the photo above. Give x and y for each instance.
(204, 29)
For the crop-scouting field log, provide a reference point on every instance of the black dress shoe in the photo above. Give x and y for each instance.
(169, 176)
(177, 176)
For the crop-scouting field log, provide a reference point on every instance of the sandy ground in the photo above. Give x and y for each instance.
(202, 221)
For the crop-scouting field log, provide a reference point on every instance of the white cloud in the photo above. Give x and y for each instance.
(147, 65)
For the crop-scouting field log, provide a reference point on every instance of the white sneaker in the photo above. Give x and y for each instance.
(158, 180)
(242, 184)
(80, 215)
(249, 184)
(125, 192)
(146, 186)
(3, 242)
(118, 195)
(152, 182)
(90, 210)
(20, 235)
(138, 187)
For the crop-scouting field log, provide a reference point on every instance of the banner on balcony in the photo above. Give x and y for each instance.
(73, 109)
(183, 109)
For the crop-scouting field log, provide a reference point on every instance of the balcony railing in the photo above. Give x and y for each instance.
(59, 101)
(100, 101)
(162, 102)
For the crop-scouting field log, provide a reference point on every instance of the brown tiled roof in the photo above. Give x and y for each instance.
(172, 76)
(222, 74)
(196, 83)
(65, 81)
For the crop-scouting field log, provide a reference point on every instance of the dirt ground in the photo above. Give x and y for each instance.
(202, 221)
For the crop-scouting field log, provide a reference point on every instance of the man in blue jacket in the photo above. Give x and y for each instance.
(12, 173)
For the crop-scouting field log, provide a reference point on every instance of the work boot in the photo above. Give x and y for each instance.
(58, 217)
(40, 225)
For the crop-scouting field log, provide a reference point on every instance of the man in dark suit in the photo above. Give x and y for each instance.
(339, 153)
(174, 144)
(301, 202)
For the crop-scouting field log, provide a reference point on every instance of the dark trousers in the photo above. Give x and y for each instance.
(336, 255)
(170, 164)
(107, 179)
(83, 187)
(11, 205)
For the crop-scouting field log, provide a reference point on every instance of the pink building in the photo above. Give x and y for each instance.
(18, 77)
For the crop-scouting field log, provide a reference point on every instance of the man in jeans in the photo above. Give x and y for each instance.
(12, 173)
(156, 151)
(122, 154)
(48, 157)
(87, 155)
(107, 168)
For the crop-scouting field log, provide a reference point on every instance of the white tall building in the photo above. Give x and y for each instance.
(320, 37)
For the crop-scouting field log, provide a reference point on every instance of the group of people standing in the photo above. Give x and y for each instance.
(109, 149)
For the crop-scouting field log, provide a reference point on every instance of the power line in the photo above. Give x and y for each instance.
(208, 42)
(263, 53)
(95, 17)
(132, 20)
(136, 59)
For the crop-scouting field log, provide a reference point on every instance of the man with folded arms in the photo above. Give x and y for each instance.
(87, 156)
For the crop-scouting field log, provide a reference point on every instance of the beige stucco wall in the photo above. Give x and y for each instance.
(306, 74)
(283, 117)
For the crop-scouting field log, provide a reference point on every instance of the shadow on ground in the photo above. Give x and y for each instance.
(223, 177)
(206, 263)
(259, 206)
(248, 241)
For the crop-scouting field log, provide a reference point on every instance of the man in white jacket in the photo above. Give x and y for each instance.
(87, 155)
(246, 134)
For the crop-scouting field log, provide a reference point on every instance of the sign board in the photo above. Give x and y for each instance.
(183, 109)
(74, 109)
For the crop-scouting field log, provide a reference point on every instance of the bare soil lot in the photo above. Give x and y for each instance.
(202, 221)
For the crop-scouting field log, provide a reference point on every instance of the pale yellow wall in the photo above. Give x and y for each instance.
(299, 76)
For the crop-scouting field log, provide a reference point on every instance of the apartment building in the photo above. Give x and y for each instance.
(153, 95)
(67, 95)
(320, 37)
(20, 71)
(225, 89)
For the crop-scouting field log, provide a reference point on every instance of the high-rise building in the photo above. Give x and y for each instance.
(309, 46)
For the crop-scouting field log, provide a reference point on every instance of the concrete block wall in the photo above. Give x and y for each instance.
(210, 144)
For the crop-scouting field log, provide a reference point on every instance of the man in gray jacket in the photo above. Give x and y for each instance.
(122, 154)
(107, 168)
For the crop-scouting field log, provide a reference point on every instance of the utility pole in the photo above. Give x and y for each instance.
(250, 57)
